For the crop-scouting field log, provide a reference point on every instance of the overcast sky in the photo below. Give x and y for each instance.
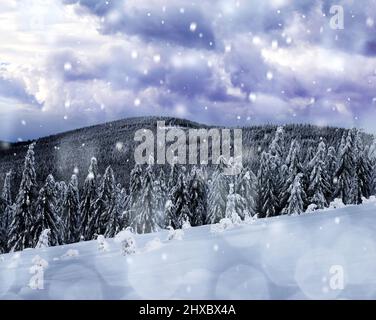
(66, 64)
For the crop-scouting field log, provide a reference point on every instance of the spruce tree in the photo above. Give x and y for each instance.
(296, 199)
(20, 234)
(6, 212)
(197, 192)
(115, 220)
(61, 194)
(346, 172)
(267, 201)
(89, 196)
(246, 187)
(178, 200)
(104, 206)
(71, 212)
(160, 189)
(331, 168)
(293, 168)
(217, 194)
(231, 206)
(145, 220)
(363, 169)
(46, 213)
(135, 187)
(318, 182)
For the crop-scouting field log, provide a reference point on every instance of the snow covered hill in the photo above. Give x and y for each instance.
(278, 258)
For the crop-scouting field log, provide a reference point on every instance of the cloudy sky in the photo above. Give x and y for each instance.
(66, 64)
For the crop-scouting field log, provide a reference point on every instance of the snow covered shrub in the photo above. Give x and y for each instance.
(127, 241)
(175, 234)
(186, 224)
(102, 243)
(224, 224)
(336, 204)
(44, 241)
(311, 208)
(37, 280)
(248, 219)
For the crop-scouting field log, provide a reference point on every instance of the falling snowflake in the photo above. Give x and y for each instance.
(67, 66)
(137, 102)
(134, 54)
(269, 75)
(157, 58)
(193, 26)
(252, 97)
(256, 40)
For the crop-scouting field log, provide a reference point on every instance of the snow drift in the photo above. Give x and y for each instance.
(275, 258)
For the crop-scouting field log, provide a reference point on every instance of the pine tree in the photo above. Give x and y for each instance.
(177, 200)
(160, 189)
(372, 157)
(363, 169)
(61, 194)
(318, 182)
(46, 213)
(115, 219)
(297, 195)
(89, 197)
(104, 206)
(346, 172)
(309, 156)
(71, 212)
(217, 194)
(268, 203)
(174, 175)
(135, 187)
(246, 187)
(231, 206)
(146, 219)
(6, 212)
(197, 192)
(279, 168)
(293, 168)
(331, 168)
(20, 235)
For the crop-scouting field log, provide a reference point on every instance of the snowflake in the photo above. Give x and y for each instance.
(193, 26)
(137, 102)
(157, 58)
(67, 66)
(269, 75)
(134, 54)
(252, 97)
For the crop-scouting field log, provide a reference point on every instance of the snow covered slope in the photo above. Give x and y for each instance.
(279, 258)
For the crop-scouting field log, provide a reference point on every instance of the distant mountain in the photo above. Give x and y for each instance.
(112, 144)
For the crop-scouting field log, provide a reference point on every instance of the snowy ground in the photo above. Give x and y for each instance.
(279, 258)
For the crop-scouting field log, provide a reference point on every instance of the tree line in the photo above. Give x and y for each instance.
(283, 180)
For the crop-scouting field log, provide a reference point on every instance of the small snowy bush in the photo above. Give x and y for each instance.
(102, 243)
(311, 208)
(37, 280)
(44, 241)
(175, 234)
(336, 204)
(186, 225)
(127, 241)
